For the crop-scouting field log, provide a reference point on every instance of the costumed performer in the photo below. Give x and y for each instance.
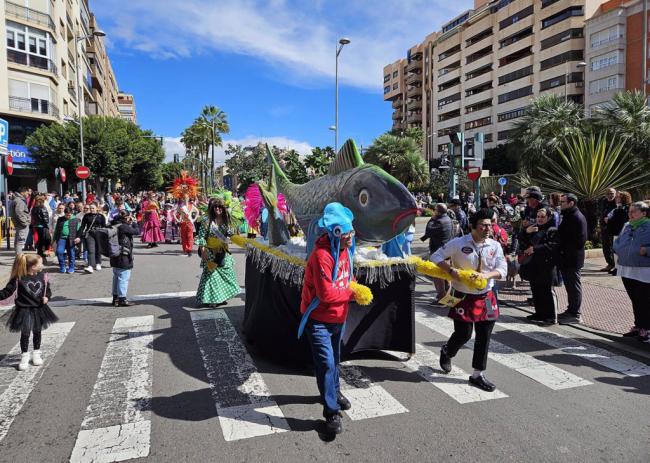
(170, 224)
(186, 215)
(151, 232)
(31, 313)
(326, 296)
(218, 281)
(472, 308)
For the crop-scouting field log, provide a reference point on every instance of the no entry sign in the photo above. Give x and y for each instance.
(473, 173)
(82, 172)
(9, 164)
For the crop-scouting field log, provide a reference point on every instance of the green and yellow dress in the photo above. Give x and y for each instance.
(218, 284)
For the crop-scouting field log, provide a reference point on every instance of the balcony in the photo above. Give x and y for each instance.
(413, 78)
(72, 90)
(398, 115)
(397, 103)
(413, 65)
(33, 61)
(33, 105)
(29, 14)
(399, 126)
(414, 104)
(414, 117)
(414, 91)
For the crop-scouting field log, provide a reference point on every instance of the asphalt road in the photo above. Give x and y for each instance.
(165, 381)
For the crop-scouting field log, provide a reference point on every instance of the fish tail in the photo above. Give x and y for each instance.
(276, 169)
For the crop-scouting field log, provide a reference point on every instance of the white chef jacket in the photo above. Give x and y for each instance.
(465, 255)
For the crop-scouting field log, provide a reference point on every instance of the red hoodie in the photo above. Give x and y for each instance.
(334, 296)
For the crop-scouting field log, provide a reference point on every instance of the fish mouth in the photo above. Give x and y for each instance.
(402, 216)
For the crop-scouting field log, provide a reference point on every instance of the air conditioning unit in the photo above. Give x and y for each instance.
(580, 84)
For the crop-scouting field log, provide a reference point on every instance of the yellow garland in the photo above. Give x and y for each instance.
(469, 278)
(362, 294)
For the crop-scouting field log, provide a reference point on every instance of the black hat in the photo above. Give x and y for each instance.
(571, 197)
(535, 194)
(455, 201)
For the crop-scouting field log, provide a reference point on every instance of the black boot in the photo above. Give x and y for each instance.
(343, 402)
(333, 424)
(115, 301)
(445, 360)
(123, 302)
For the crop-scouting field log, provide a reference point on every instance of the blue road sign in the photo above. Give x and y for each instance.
(4, 135)
(503, 181)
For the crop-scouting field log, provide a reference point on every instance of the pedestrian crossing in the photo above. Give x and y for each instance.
(117, 424)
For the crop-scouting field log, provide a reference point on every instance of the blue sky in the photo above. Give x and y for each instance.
(268, 65)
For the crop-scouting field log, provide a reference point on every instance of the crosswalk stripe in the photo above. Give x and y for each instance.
(241, 396)
(425, 363)
(16, 386)
(570, 346)
(117, 425)
(544, 373)
(368, 399)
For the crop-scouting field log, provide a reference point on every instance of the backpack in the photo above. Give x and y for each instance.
(108, 241)
(456, 229)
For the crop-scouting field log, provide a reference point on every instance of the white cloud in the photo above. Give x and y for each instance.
(297, 38)
(173, 145)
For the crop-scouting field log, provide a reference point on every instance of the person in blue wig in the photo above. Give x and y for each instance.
(326, 296)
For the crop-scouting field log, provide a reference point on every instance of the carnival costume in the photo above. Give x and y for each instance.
(170, 224)
(151, 232)
(186, 214)
(218, 280)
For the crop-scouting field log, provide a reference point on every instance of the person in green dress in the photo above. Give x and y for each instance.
(218, 281)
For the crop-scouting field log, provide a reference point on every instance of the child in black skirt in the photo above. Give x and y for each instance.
(31, 314)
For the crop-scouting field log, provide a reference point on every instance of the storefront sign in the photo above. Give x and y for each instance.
(21, 155)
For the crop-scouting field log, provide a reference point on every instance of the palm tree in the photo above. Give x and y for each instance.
(319, 160)
(587, 165)
(399, 156)
(215, 122)
(548, 122)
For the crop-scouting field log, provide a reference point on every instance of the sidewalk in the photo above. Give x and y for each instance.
(605, 304)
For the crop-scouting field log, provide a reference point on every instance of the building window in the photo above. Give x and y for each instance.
(606, 84)
(396, 86)
(518, 74)
(562, 15)
(515, 94)
(448, 130)
(576, 33)
(487, 138)
(448, 85)
(504, 134)
(478, 123)
(447, 53)
(386, 78)
(479, 54)
(478, 37)
(572, 55)
(449, 115)
(516, 56)
(450, 99)
(516, 17)
(514, 114)
(546, 3)
(387, 89)
(478, 89)
(522, 34)
(478, 106)
(456, 22)
(448, 69)
(606, 60)
(605, 36)
(501, 4)
(395, 74)
(478, 71)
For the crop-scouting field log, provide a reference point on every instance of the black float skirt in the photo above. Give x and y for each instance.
(31, 318)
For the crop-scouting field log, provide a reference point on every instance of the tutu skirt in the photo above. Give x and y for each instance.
(31, 318)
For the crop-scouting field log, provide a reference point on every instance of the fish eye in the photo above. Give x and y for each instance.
(364, 197)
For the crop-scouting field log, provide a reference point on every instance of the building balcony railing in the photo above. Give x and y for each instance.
(414, 104)
(415, 64)
(33, 105)
(397, 115)
(397, 103)
(414, 91)
(412, 78)
(29, 14)
(415, 117)
(34, 61)
(72, 90)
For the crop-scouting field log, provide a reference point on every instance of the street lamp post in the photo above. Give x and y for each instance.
(342, 42)
(80, 99)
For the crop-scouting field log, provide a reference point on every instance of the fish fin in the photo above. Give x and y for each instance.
(347, 158)
(278, 232)
(275, 166)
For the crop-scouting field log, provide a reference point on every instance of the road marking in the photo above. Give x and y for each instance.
(455, 384)
(241, 396)
(117, 425)
(368, 399)
(544, 373)
(136, 298)
(567, 345)
(16, 386)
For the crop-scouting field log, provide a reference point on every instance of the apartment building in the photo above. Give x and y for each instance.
(481, 70)
(614, 52)
(38, 72)
(126, 106)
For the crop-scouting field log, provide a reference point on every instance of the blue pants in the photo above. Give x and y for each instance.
(63, 246)
(121, 278)
(325, 342)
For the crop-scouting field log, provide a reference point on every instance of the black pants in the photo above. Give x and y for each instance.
(463, 333)
(608, 243)
(573, 286)
(24, 339)
(543, 298)
(44, 241)
(94, 252)
(639, 293)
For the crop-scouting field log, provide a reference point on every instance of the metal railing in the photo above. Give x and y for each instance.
(29, 14)
(33, 105)
(34, 61)
(72, 90)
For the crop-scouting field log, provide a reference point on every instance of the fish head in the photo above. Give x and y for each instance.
(382, 206)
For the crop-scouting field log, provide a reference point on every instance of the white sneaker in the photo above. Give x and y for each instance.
(24, 362)
(37, 359)
(89, 269)
(98, 267)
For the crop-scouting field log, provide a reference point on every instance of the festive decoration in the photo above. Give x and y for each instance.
(233, 205)
(254, 203)
(362, 294)
(184, 185)
(469, 278)
(382, 207)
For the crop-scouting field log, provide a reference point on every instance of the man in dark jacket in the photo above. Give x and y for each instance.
(572, 236)
(122, 264)
(19, 213)
(605, 206)
(89, 223)
(439, 231)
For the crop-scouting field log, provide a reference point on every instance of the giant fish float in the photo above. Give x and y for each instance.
(383, 208)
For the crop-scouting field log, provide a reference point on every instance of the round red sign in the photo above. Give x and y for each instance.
(62, 174)
(10, 164)
(82, 172)
(473, 173)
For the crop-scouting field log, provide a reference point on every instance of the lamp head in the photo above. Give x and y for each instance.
(344, 41)
(99, 33)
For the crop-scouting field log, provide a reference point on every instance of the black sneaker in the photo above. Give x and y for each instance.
(482, 382)
(343, 402)
(445, 360)
(124, 302)
(547, 322)
(568, 318)
(533, 318)
(333, 424)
